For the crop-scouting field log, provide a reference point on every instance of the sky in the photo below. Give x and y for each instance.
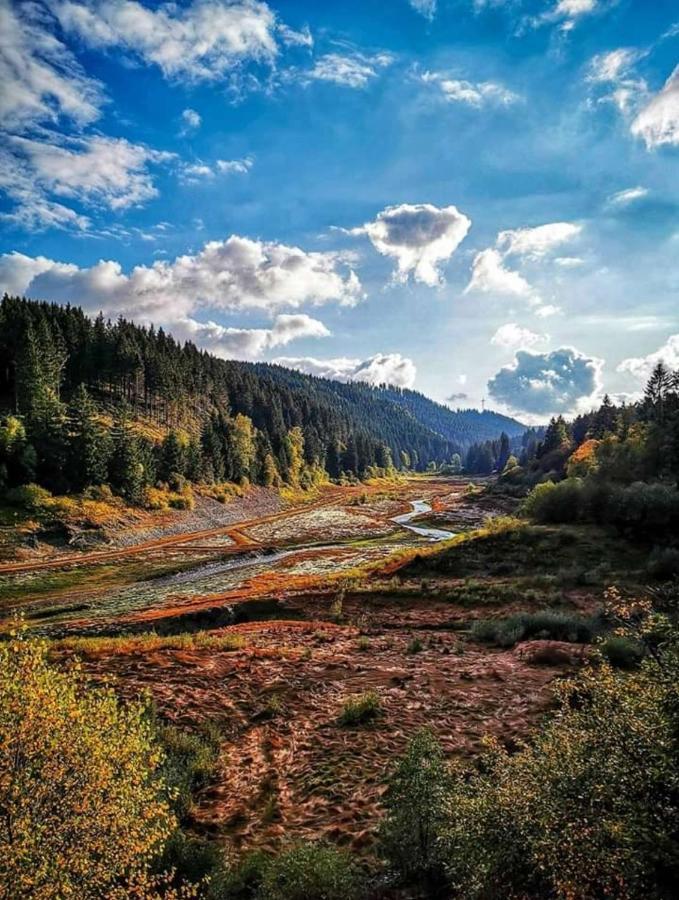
(478, 199)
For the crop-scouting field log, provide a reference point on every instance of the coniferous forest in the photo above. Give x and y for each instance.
(91, 402)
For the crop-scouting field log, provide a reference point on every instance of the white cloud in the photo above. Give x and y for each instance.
(235, 166)
(547, 310)
(624, 198)
(41, 80)
(567, 13)
(201, 41)
(658, 122)
(535, 243)
(95, 171)
(426, 8)
(491, 276)
(642, 366)
(613, 65)
(248, 343)
(235, 274)
(478, 93)
(544, 383)
(512, 336)
(418, 236)
(569, 262)
(293, 38)
(383, 368)
(351, 70)
(193, 173)
(191, 119)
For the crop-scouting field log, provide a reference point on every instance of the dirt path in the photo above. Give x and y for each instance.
(233, 531)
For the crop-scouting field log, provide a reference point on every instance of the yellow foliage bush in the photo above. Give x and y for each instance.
(83, 811)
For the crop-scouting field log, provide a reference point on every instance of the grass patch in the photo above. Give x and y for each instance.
(361, 709)
(147, 642)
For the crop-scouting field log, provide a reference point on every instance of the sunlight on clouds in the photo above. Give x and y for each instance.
(642, 366)
(544, 383)
(512, 336)
(418, 236)
(201, 41)
(248, 343)
(41, 79)
(382, 368)
(658, 122)
(235, 274)
(491, 276)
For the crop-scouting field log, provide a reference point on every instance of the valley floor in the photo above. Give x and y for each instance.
(265, 628)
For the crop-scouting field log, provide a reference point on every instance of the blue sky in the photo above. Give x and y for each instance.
(475, 199)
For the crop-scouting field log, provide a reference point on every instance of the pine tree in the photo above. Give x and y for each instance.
(89, 446)
(126, 468)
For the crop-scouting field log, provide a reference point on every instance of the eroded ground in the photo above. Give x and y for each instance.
(266, 626)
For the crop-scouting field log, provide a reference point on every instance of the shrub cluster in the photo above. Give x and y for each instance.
(544, 624)
(638, 510)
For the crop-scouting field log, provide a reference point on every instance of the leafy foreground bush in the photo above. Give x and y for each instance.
(591, 809)
(83, 812)
(310, 870)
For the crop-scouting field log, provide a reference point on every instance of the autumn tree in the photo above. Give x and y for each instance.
(82, 806)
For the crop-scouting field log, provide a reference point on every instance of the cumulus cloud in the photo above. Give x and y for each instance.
(512, 335)
(96, 171)
(426, 8)
(544, 383)
(353, 70)
(193, 173)
(41, 79)
(235, 274)
(382, 368)
(657, 124)
(534, 243)
(642, 366)
(480, 93)
(547, 310)
(248, 343)
(491, 276)
(418, 236)
(201, 41)
(460, 397)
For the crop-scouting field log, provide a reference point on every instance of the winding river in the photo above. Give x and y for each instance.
(419, 507)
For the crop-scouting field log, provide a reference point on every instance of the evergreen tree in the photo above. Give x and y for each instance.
(88, 444)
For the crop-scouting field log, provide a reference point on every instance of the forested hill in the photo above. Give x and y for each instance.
(384, 403)
(242, 420)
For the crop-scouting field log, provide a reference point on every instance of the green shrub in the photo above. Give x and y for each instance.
(551, 502)
(663, 563)
(416, 812)
(363, 644)
(310, 871)
(361, 709)
(191, 759)
(415, 646)
(239, 881)
(544, 624)
(28, 496)
(622, 652)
